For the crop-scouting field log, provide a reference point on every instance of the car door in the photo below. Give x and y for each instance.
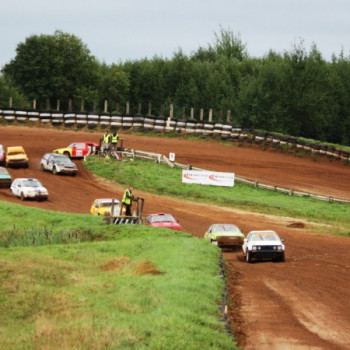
(78, 150)
(50, 162)
(246, 242)
(208, 233)
(15, 188)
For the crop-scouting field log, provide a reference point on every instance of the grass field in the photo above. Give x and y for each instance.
(163, 180)
(97, 286)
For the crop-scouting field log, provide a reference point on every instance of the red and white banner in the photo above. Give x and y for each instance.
(203, 177)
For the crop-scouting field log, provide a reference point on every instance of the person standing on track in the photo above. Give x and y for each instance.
(127, 201)
(105, 142)
(114, 141)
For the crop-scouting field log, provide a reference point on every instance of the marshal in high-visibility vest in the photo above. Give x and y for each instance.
(127, 200)
(114, 141)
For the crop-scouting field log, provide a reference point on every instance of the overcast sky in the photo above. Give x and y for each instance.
(116, 30)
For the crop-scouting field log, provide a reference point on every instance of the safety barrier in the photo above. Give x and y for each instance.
(148, 123)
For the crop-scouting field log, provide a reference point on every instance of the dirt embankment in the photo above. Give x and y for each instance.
(303, 303)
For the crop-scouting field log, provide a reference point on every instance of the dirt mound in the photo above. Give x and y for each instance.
(116, 264)
(145, 268)
(296, 225)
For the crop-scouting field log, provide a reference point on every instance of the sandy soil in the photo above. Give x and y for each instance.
(303, 303)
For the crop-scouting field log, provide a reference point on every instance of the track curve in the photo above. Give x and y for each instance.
(303, 303)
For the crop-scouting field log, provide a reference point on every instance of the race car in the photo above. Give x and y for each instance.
(78, 149)
(2, 155)
(224, 235)
(58, 164)
(5, 178)
(262, 245)
(163, 220)
(104, 206)
(28, 188)
(16, 157)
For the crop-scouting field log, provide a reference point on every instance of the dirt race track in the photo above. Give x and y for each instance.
(303, 303)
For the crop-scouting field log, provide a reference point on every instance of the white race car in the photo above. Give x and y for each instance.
(261, 245)
(28, 188)
(58, 164)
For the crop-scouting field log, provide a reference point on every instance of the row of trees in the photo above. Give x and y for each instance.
(296, 92)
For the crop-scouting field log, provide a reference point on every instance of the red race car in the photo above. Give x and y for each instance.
(163, 220)
(79, 149)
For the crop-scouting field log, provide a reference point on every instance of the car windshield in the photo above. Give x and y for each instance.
(32, 183)
(265, 237)
(62, 160)
(106, 204)
(225, 228)
(163, 218)
(15, 153)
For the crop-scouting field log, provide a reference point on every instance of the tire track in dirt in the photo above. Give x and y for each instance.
(274, 300)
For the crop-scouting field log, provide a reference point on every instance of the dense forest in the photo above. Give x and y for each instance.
(296, 92)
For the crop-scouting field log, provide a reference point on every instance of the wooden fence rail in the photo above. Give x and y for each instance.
(160, 158)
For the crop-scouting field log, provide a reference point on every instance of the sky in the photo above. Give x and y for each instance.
(116, 31)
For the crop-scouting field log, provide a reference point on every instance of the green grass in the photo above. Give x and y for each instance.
(124, 287)
(163, 180)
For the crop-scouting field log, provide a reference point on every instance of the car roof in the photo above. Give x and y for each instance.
(105, 200)
(12, 148)
(222, 225)
(263, 232)
(159, 214)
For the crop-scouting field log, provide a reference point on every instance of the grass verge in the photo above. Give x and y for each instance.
(163, 180)
(121, 287)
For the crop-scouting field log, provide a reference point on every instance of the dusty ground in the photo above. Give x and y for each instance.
(303, 303)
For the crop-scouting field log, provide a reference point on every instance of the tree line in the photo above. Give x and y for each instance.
(297, 92)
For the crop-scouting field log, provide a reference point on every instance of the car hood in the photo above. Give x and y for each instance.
(173, 225)
(5, 177)
(263, 243)
(17, 156)
(34, 189)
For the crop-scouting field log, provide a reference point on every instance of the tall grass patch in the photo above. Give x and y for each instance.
(147, 289)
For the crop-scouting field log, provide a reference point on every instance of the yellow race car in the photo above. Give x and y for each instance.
(16, 157)
(103, 206)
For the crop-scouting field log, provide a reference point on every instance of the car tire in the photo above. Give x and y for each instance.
(22, 197)
(248, 257)
(54, 170)
(67, 154)
(281, 258)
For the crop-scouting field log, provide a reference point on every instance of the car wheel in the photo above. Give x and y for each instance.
(67, 154)
(22, 197)
(281, 257)
(248, 257)
(54, 170)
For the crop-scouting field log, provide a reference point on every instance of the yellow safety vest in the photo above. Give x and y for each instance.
(115, 138)
(127, 197)
(105, 138)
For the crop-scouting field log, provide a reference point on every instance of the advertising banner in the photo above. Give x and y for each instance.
(203, 177)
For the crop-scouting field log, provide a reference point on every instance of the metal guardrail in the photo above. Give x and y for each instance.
(160, 158)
